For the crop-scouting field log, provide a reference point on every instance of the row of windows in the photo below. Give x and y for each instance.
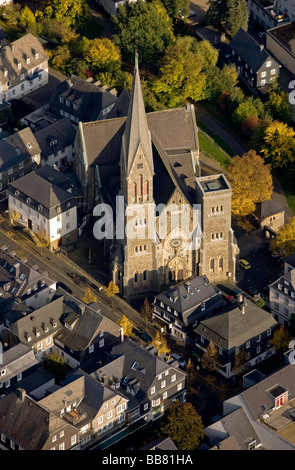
(217, 210)
(140, 249)
(137, 276)
(140, 189)
(216, 263)
(217, 236)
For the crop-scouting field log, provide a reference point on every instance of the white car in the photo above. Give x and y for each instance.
(179, 359)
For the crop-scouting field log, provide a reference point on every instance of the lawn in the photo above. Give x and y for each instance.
(209, 146)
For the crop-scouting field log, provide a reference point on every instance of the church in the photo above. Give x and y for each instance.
(179, 222)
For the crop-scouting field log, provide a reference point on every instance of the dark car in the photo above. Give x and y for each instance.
(144, 336)
(64, 287)
(253, 291)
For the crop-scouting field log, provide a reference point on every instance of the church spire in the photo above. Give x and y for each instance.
(136, 131)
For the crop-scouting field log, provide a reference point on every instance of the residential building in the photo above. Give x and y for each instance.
(85, 331)
(233, 432)
(56, 142)
(17, 362)
(23, 283)
(19, 155)
(47, 209)
(153, 159)
(23, 67)
(82, 100)
(78, 331)
(282, 298)
(93, 408)
(5, 2)
(37, 329)
(289, 263)
(180, 307)
(256, 66)
(149, 381)
(27, 425)
(269, 406)
(280, 43)
(243, 329)
(271, 13)
(270, 216)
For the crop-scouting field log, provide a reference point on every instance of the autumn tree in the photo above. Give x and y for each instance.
(278, 103)
(240, 360)
(56, 365)
(210, 356)
(284, 242)
(160, 343)
(144, 26)
(217, 11)
(191, 373)
(182, 71)
(279, 144)
(127, 325)
(280, 340)
(70, 13)
(174, 7)
(184, 426)
(146, 310)
(251, 182)
(89, 297)
(27, 17)
(112, 289)
(249, 107)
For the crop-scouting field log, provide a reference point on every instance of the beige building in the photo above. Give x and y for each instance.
(161, 232)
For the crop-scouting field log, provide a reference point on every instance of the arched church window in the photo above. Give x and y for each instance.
(220, 263)
(139, 185)
(211, 265)
(146, 188)
(144, 275)
(134, 190)
(135, 277)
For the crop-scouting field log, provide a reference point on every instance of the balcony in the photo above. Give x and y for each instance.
(32, 76)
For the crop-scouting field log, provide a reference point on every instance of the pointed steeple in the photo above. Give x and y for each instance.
(136, 131)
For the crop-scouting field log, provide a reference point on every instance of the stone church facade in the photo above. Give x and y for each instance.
(177, 222)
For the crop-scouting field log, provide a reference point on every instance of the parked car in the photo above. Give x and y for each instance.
(253, 291)
(230, 299)
(143, 335)
(244, 264)
(179, 359)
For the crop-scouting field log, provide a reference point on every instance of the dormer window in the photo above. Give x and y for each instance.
(19, 65)
(37, 55)
(53, 142)
(3, 372)
(28, 200)
(61, 100)
(5, 72)
(28, 60)
(40, 207)
(29, 145)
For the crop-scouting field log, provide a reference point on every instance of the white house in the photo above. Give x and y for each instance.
(111, 6)
(282, 297)
(23, 67)
(44, 207)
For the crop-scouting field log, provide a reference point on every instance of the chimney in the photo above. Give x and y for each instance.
(261, 46)
(21, 394)
(82, 309)
(240, 298)
(243, 309)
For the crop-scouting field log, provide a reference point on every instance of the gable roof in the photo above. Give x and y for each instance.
(62, 132)
(249, 50)
(25, 142)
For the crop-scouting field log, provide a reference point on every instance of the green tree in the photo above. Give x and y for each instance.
(251, 182)
(224, 81)
(144, 26)
(184, 426)
(127, 325)
(182, 73)
(279, 105)
(249, 107)
(279, 144)
(11, 14)
(71, 13)
(216, 13)
(56, 365)
(284, 242)
(237, 16)
(27, 17)
(174, 7)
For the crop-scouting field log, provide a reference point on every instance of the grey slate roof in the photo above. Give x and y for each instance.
(89, 98)
(232, 328)
(16, 52)
(249, 50)
(188, 296)
(15, 360)
(258, 400)
(9, 155)
(267, 209)
(61, 131)
(42, 192)
(25, 141)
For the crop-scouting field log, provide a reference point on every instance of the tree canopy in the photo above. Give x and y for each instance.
(284, 242)
(160, 343)
(70, 13)
(237, 16)
(279, 144)
(144, 26)
(251, 182)
(184, 426)
(182, 71)
(126, 324)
